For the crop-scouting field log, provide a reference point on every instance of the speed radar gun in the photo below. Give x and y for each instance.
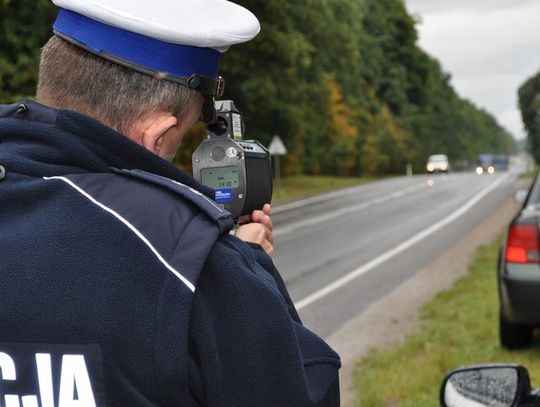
(239, 171)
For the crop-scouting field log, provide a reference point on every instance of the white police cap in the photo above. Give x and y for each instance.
(177, 40)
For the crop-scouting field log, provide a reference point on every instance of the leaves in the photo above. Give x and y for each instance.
(343, 82)
(25, 26)
(529, 103)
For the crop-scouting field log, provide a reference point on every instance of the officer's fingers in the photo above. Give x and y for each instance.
(266, 210)
(267, 243)
(262, 218)
(267, 221)
(256, 216)
(244, 219)
(268, 248)
(269, 233)
(253, 233)
(259, 234)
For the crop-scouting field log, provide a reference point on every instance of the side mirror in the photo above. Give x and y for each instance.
(520, 196)
(487, 385)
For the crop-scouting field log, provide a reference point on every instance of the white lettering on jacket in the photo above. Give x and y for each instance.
(75, 386)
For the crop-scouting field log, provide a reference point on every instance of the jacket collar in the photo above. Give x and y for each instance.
(38, 140)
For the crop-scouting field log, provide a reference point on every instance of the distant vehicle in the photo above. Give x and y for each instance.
(500, 162)
(490, 163)
(437, 163)
(484, 164)
(519, 273)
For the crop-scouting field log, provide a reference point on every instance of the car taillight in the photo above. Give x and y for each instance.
(522, 244)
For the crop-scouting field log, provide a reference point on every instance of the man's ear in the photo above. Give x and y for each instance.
(149, 131)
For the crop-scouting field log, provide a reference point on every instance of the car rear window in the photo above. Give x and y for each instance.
(437, 158)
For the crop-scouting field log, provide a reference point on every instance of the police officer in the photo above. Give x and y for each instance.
(120, 282)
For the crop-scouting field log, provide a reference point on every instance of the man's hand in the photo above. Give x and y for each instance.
(259, 229)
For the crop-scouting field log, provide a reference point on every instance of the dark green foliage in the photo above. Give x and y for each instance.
(529, 103)
(343, 83)
(402, 105)
(25, 26)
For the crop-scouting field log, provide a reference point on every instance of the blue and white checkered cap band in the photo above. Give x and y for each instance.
(137, 51)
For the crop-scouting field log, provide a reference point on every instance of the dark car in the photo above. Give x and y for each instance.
(519, 274)
(489, 163)
(484, 164)
(500, 162)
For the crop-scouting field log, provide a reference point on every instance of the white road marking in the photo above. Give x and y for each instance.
(291, 227)
(321, 198)
(314, 199)
(323, 292)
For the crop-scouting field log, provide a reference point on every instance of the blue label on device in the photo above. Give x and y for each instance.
(223, 195)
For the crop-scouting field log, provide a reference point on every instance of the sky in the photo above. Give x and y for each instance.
(489, 47)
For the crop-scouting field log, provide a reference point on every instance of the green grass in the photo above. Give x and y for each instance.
(291, 188)
(529, 175)
(460, 328)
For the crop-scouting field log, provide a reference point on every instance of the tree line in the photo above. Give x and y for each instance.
(529, 104)
(342, 82)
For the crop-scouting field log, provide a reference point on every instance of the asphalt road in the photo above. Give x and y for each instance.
(341, 252)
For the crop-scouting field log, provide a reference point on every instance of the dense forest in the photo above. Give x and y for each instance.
(529, 103)
(343, 82)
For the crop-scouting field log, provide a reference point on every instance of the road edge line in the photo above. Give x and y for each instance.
(352, 275)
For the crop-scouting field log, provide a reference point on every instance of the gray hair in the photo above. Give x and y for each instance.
(72, 78)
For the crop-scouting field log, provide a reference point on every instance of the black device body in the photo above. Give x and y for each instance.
(239, 171)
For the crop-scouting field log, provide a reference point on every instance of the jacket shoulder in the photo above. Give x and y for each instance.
(177, 223)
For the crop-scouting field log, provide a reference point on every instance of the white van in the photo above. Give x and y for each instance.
(437, 163)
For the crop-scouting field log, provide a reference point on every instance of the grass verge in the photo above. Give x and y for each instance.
(291, 188)
(529, 175)
(460, 328)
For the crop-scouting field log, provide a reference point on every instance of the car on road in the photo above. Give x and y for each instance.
(437, 163)
(519, 274)
(491, 163)
(500, 162)
(484, 164)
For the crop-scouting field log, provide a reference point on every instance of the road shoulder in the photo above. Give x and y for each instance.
(391, 319)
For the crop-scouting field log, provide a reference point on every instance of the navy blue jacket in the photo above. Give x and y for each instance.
(121, 286)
